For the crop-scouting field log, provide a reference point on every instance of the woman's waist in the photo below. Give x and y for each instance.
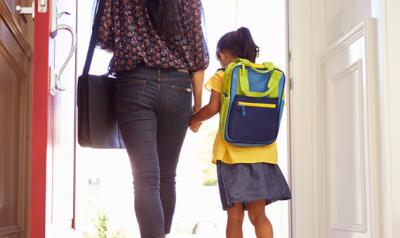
(155, 73)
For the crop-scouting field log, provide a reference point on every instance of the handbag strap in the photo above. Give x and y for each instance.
(93, 38)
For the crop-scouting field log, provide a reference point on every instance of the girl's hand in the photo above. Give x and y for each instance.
(194, 125)
(206, 112)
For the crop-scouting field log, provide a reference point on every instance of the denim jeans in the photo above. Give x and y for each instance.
(153, 109)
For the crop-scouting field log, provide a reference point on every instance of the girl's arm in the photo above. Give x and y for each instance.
(209, 110)
(197, 84)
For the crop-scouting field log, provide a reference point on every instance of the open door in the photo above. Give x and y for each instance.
(15, 82)
(53, 133)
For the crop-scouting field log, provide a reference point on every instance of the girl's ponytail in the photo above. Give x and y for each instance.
(248, 49)
(240, 44)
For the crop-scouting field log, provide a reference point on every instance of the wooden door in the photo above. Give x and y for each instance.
(15, 92)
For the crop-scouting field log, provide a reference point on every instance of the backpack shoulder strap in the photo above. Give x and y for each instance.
(228, 76)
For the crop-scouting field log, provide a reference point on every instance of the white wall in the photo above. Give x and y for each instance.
(343, 15)
(333, 19)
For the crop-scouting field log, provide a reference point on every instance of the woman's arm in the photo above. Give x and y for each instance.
(197, 84)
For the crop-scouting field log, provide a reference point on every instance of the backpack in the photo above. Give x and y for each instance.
(252, 102)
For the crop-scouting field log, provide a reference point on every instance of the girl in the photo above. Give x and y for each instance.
(248, 177)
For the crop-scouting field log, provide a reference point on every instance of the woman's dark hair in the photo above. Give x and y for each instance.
(239, 43)
(164, 14)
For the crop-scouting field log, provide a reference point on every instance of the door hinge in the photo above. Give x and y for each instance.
(291, 84)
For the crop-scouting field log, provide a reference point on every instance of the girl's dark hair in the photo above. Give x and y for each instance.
(164, 14)
(239, 43)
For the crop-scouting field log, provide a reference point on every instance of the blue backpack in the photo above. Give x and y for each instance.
(252, 102)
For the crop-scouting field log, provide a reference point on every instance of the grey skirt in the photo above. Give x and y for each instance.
(246, 183)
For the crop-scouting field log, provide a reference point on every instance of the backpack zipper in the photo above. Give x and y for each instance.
(252, 104)
(243, 106)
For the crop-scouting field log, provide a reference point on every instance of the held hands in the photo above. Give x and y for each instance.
(194, 125)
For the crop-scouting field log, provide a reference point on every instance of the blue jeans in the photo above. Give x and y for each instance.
(153, 109)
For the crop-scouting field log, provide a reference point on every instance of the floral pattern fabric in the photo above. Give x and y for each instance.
(126, 29)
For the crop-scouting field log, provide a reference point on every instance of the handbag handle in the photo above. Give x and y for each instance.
(93, 38)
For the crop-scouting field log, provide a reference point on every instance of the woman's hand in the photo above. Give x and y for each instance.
(196, 108)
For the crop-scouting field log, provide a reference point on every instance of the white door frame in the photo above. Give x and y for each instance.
(387, 13)
(302, 210)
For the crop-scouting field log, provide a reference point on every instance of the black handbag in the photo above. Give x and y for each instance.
(97, 124)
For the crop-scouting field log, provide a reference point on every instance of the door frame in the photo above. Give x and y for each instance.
(40, 102)
(289, 88)
(301, 123)
(386, 11)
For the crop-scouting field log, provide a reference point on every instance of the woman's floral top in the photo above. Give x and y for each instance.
(126, 29)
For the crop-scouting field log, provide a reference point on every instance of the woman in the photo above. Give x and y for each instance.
(159, 58)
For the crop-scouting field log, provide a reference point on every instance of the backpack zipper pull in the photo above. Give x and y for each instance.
(243, 110)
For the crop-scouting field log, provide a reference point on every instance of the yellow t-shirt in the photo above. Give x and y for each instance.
(232, 154)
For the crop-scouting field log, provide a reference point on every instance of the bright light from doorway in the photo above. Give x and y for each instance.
(104, 177)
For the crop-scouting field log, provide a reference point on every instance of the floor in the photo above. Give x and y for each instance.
(107, 190)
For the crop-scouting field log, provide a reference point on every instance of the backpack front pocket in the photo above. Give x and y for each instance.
(253, 120)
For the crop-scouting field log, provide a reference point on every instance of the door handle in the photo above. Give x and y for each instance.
(56, 84)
